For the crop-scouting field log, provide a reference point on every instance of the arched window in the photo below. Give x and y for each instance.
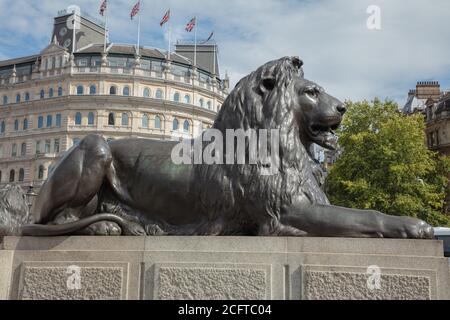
(78, 119)
(3, 127)
(91, 119)
(125, 119)
(187, 99)
(80, 90)
(92, 89)
(58, 120)
(23, 149)
(159, 94)
(175, 124)
(60, 91)
(14, 150)
(209, 105)
(126, 91)
(111, 119)
(49, 121)
(186, 126)
(21, 175)
(147, 93)
(50, 93)
(18, 98)
(27, 96)
(41, 172)
(12, 176)
(112, 90)
(42, 94)
(25, 124)
(5, 100)
(53, 63)
(176, 97)
(60, 63)
(201, 102)
(157, 122)
(145, 121)
(16, 125)
(40, 122)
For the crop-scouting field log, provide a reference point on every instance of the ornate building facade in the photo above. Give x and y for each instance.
(51, 100)
(434, 104)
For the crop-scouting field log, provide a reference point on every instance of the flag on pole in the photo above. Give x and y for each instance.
(103, 7)
(191, 24)
(165, 18)
(135, 10)
(209, 38)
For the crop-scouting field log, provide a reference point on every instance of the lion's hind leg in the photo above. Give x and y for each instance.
(281, 230)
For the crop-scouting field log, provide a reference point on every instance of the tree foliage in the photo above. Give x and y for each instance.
(385, 164)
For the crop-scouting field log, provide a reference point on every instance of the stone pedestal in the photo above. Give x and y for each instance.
(222, 268)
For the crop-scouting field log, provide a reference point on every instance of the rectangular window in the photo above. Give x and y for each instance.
(82, 63)
(47, 146)
(40, 122)
(49, 121)
(38, 147)
(1, 151)
(58, 120)
(56, 146)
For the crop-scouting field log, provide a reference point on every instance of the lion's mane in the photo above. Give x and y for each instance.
(238, 194)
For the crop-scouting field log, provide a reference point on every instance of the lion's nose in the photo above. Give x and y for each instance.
(341, 109)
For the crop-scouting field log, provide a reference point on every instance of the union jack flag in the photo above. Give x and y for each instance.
(135, 9)
(103, 7)
(165, 18)
(191, 25)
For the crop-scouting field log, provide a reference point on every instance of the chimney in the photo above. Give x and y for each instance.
(428, 89)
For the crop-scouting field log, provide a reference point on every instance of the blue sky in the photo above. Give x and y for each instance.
(339, 51)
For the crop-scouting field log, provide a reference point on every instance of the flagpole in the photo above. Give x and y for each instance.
(214, 62)
(195, 43)
(170, 38)
(106, 28)
(139, 26)
(74, 31)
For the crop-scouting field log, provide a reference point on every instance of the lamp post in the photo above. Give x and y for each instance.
(30, 197)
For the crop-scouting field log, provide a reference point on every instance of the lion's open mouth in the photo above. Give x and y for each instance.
(323, 134)
(317, 129)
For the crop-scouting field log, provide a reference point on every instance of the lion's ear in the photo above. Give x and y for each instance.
(297, 62)
(267, 84)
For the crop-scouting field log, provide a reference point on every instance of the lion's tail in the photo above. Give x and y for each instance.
(40, 230)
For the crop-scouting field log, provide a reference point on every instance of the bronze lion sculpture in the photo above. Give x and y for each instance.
(133, 187)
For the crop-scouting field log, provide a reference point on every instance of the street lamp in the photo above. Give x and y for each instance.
(30, 197)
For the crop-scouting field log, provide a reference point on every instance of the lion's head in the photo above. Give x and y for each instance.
(276, 95)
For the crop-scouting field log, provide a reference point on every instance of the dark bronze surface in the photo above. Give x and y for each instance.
(132, 187)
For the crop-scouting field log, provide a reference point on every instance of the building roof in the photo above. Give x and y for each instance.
(414, 104)
(128, 49)
(443, 104)
(16, 61)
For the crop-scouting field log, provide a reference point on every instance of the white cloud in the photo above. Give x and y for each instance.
(339, 52)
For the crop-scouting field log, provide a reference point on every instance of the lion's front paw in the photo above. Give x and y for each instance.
(412, 228)
(134, 229)
(154, 230)
(103, 228)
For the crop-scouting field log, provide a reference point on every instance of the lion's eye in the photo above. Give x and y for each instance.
(313, 92)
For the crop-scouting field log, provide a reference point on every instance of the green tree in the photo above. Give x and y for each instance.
(386, 166)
